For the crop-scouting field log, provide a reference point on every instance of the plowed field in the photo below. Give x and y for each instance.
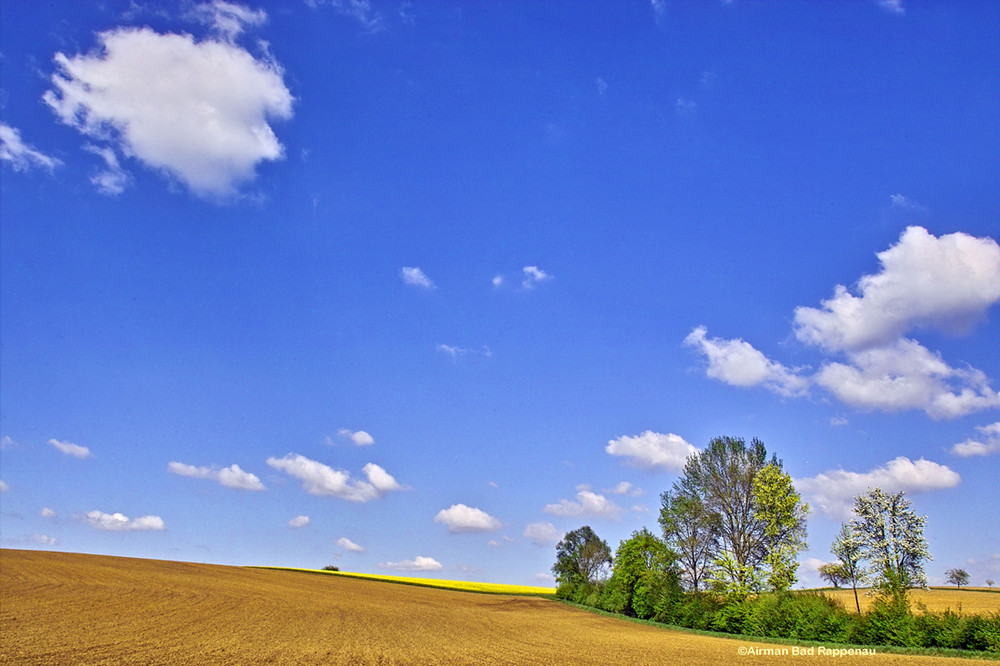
(59, 608)
(969, 602)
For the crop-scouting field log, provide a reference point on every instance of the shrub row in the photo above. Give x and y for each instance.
(804, 616)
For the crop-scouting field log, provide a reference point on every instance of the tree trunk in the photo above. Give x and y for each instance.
(856, 602)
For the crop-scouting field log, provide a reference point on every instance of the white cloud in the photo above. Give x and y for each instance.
(624, 487)
(906, 375)
(46, 512)
(71, 449)
(20, 155)
(497, 281)
(299, 521)
(359, 438)
(946, 283)
(3, 487)
(533, 276)
(738, 363)
(543, 535)
(412, 275)
(833, 492)
(197, 111)
(459, 518)
(685, 107)
(228, 19)
(455, 352)
(361, 11)
(320, 479)
(986, 445)
(602, 86)
(7, 442)
(892, 6)
(419, 563)
(113, 179)
(652, 450)
(349, 545)
(117, 522)
(43, 540)
(230, 477)
(588, 503)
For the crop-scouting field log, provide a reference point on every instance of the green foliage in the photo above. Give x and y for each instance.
(778, 505)
(331, 567)
(957, 577)
(834, 573)
(849, 548)
(797, 616)
(581, 558)
(692, 532)
(643, 576)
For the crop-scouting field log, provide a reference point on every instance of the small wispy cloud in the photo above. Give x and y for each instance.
(71, 449)
(361, 11)
(22, 156)
(987, 444)
(586, 504)
(299, 521)
(356, 437)
(455, 352)
(602, 86)
(534, 276)
(892, 6)
(227, 19)
(412, 275)
(543, 535)
(349, 545)
(685, 107)
(230, 477)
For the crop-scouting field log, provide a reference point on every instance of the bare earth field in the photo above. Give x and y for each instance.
(61, 608)
(975, 601)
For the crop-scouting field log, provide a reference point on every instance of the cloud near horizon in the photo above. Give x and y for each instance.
(117, 522)
(833, 492)
(206, 125)
(419, 563)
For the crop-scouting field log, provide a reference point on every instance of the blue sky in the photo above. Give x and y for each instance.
(406, 286)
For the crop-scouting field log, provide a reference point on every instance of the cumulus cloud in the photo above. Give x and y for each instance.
(945, 283)
(71, 449)
(653, 450)
(987, 444)
(230, 477)
(299, 521)
(738, 363)
(419, 563)
(20, 155)
(906, 375)
(587, 503)
(412, 275)
(359, 438)
(320, 479)
(543, 535)
(198, 111)
(349, 545)
(112, 180)
(833, 492)
(117, 522)
(46, 512)
(534, 276)
(459, 518)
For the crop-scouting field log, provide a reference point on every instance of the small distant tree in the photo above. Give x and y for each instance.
(989, 582)
(849, 549)
(893, 542)
(834, 573)
(581, 558)
(331, 567)
(957, 577)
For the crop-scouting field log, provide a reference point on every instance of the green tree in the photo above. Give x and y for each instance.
(893, 543)
(957, 577)
(643, 576)
(581, 558)
(691, 532)
(849, 549)
(761, 528)
(834, 573)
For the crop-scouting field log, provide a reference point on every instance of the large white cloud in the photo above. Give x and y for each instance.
(738, 363)
(986, 445)
(230, 477)
(833, 492)
(419, 563)
(459, 518)
(20, 155)
(196, 110)
(587, 503)
(653, 450)
(945, 283)
(320, 479)
(117, 522)
(543, 534)
(906, 375)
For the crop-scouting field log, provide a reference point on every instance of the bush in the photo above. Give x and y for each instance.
(331, 567)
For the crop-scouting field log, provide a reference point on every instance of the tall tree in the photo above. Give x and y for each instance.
(691, 532)
(892, 537)
(762, 529)
(643, 575)
(957, 577)
(581, 557)
(849, 549)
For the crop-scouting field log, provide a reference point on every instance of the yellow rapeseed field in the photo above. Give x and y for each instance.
(63, 608)
(460, 585)
(969, 602)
